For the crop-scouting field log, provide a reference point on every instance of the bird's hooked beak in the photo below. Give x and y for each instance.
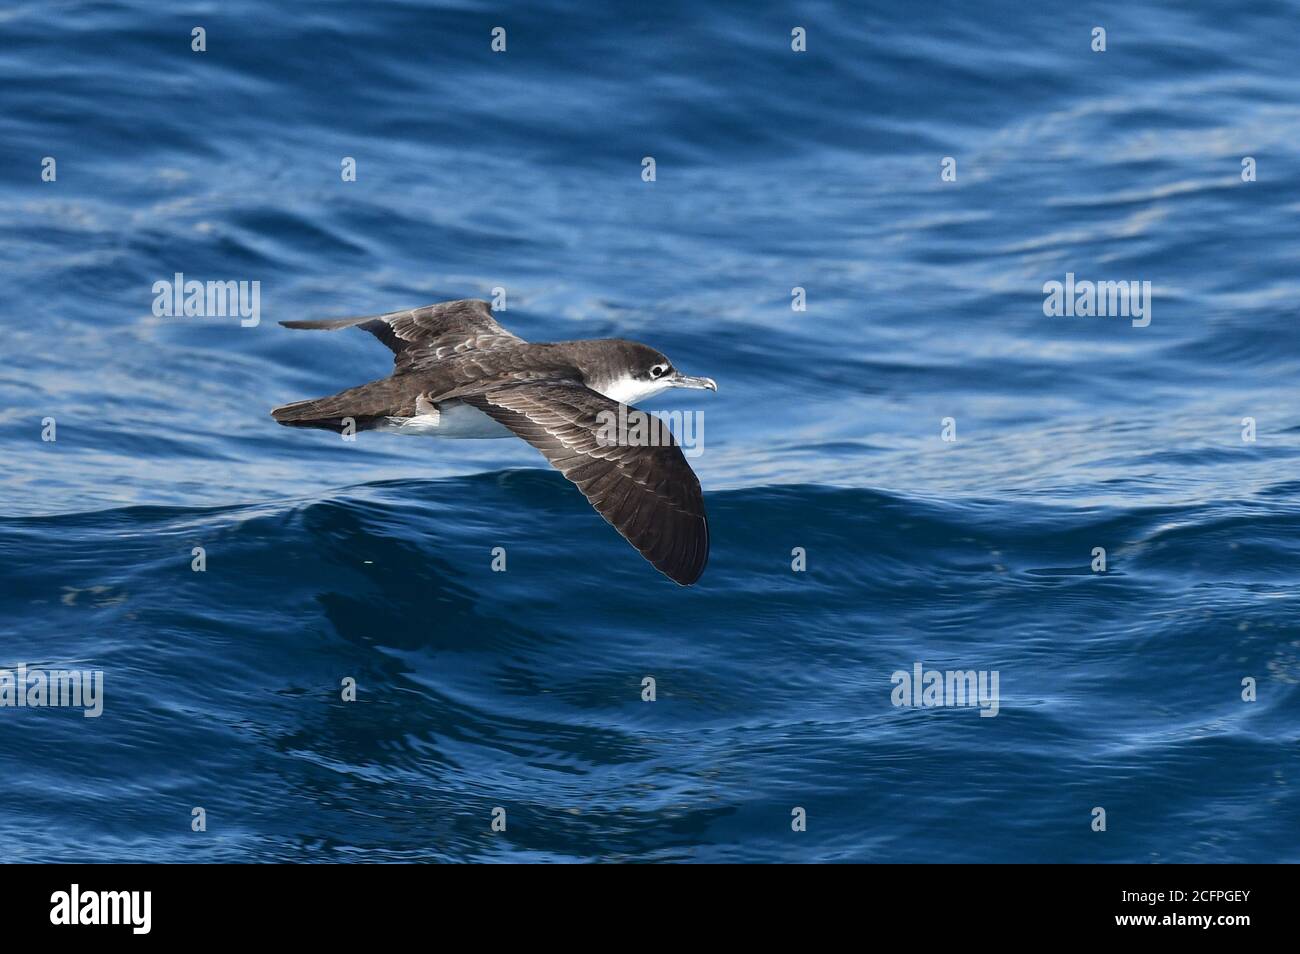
(680, 380)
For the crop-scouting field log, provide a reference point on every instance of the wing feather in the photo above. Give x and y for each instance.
(421, 336)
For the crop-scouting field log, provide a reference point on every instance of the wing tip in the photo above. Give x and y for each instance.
(689, 572)
(311, 323)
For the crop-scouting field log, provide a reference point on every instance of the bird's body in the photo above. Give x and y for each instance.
(460, 375)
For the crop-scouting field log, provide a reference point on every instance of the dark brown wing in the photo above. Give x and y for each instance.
(427, 334)
(624, 461)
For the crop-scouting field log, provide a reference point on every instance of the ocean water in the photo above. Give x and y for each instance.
(521, 690)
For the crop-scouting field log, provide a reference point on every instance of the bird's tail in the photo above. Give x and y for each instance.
(361, 407)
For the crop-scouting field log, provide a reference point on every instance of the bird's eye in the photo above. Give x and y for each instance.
(659, 370)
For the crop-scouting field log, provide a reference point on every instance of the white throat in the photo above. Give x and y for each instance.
(630, 390)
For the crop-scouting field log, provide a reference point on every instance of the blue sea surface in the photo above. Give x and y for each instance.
(1124, 690)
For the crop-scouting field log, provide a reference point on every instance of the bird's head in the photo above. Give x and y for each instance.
(630, 372)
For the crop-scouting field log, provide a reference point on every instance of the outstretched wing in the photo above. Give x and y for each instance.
(625, 462)
(427, 334)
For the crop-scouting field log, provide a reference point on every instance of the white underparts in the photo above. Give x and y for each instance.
(457, 421)
(451, 420)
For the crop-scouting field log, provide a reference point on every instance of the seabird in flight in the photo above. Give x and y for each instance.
(457, 373)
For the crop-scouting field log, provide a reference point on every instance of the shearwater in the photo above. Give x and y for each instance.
(459, 374)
